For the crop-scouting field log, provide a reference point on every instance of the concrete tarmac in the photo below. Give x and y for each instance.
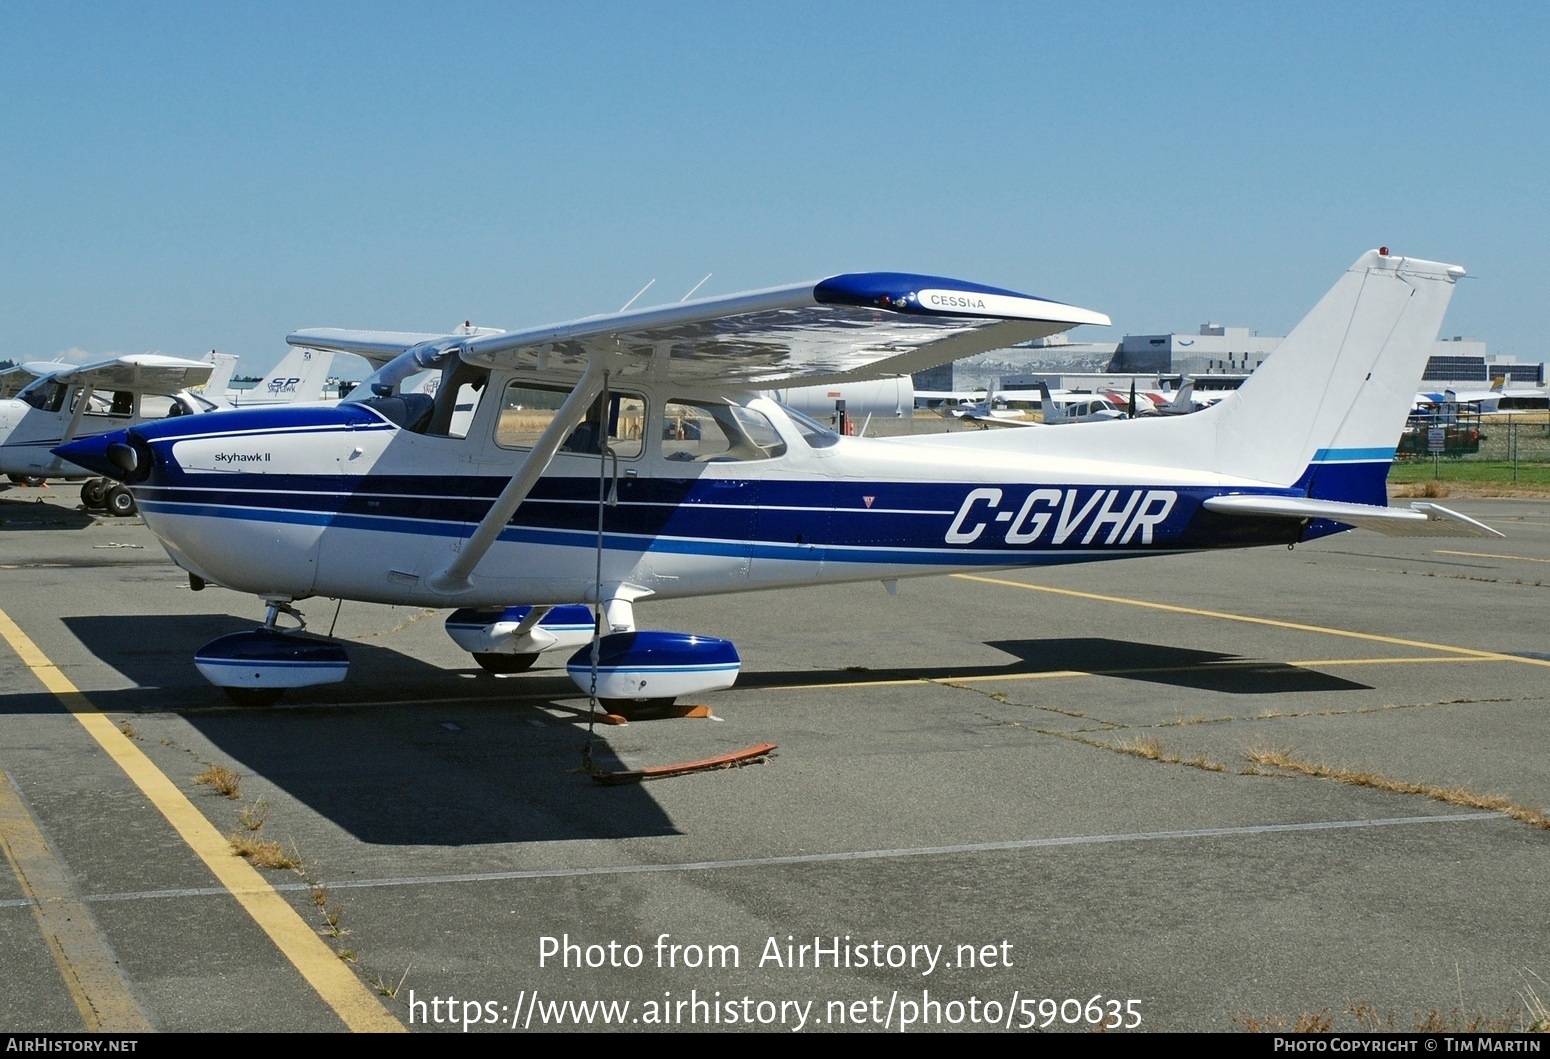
(1031, 800)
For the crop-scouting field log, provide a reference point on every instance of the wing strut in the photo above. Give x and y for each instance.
(82, 399)
(454, 579)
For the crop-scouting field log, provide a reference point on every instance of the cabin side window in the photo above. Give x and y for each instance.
(160, 406)
(526, 410)
(119, 404)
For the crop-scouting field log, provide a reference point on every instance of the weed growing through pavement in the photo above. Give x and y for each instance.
(390, 991)
(1154, 749)
(222, 781)
(1368, 1019)
(329, 909)
(1282, 759)
(262, 853)
(254, 816)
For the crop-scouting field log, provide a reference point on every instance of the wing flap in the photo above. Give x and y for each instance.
(1417, 520)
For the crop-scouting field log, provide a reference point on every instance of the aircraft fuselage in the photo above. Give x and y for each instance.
(342, 502)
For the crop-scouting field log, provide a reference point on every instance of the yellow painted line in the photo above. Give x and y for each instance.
(1320, 663)
(78, 947)
(1489, 555)
(904, 682)
(1047, 674)
(319, 965)
(890, 683)
(1249, 619)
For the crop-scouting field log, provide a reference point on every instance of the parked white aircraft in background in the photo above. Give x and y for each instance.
(1080, 408)
(624, 457)
(75, 401)
(122, 391)
(1496, 400)
(1182, 402)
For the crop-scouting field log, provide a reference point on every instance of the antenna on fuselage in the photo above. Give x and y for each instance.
(696, 287)
(638, 293)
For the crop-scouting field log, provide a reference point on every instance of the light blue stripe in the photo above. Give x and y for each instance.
(1353, 455)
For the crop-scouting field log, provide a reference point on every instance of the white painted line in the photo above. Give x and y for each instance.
(825, 858)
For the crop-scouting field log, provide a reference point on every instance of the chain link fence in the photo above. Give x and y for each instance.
(1511, 448)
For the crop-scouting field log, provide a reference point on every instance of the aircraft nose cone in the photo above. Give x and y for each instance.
(92, 453)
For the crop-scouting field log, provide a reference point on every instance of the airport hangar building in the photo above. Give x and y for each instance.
(1457, 363)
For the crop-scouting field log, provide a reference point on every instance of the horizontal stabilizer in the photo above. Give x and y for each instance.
(1417, 520)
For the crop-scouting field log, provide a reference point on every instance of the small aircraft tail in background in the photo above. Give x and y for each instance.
(220, 378)
(1183, 402)
(298, 378)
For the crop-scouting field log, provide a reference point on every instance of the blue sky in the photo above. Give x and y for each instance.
(182, 177)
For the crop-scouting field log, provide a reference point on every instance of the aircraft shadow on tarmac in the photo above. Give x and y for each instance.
(409, 753)
(402, 753)
(1123, 659)
(33, 509)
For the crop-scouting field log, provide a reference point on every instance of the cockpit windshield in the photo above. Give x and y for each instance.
(45, 395)
(813, 432)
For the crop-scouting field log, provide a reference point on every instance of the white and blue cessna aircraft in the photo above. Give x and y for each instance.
(59, 402)
(619, 458)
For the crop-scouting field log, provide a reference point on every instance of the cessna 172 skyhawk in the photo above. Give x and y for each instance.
(624, 457)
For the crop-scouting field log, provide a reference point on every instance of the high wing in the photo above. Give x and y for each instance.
(854, 326)
(141, 372)
(18, 377)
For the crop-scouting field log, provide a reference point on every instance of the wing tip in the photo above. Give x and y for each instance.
(910, 293)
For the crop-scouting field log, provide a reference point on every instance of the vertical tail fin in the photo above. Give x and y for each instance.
(299, 376)
(1046, 401)
(1183, 402)
(1327, 409)
(220, 378)
(1323, 414)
